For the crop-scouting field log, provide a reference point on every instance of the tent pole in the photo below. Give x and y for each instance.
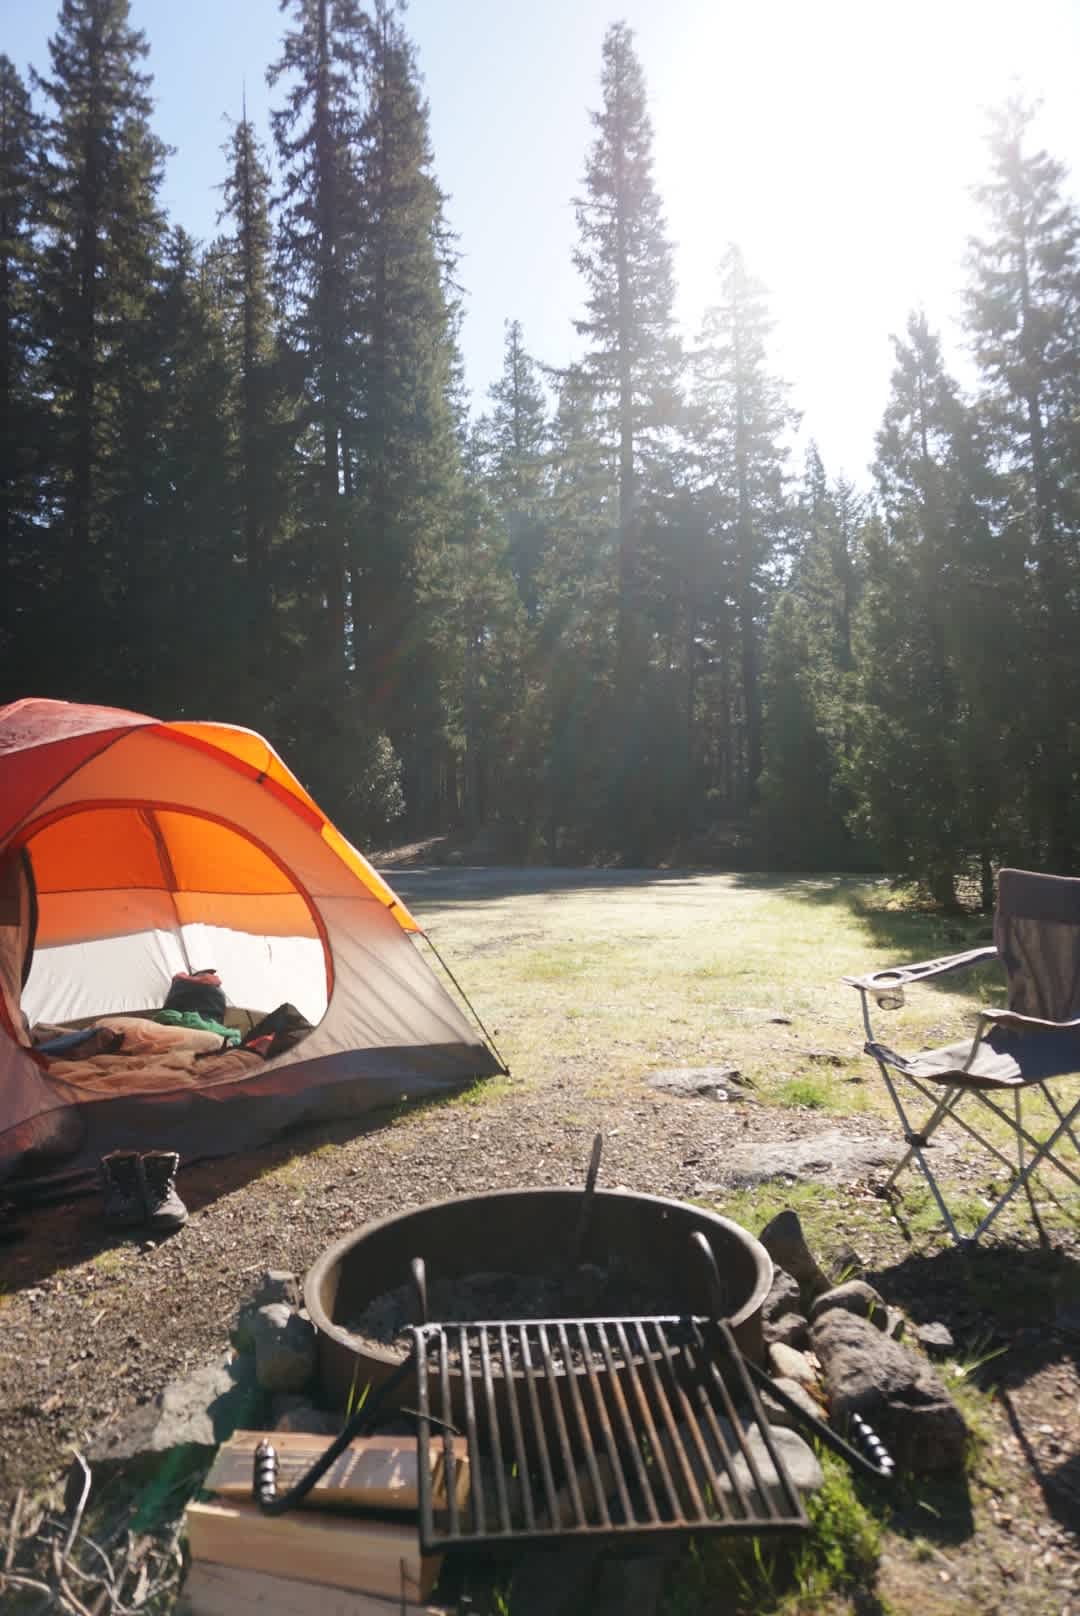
(488, 1039)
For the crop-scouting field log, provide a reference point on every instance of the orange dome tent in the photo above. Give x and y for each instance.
(131, 850)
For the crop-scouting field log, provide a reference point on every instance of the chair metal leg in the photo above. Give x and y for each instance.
(1050, 1097)
(1021, 1169)
(1036, 1144)
(947, 1110)
(1021, 1181)
(932, 1122)
(916, 1150)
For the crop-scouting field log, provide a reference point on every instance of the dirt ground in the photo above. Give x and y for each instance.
(91, 1326)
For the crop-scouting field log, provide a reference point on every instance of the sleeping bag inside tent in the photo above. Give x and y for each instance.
(141, 861)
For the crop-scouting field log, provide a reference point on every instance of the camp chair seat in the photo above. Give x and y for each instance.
(1034, 1044)
(1001, 1060)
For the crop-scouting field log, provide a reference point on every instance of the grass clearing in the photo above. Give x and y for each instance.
(663, 969)
(630, 972)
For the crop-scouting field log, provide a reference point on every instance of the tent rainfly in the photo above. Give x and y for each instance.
(131, 850)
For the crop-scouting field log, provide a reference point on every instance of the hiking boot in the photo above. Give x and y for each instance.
(122, 1184)
(165, 1210)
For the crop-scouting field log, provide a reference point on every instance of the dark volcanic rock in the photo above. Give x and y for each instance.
(894, 1389)
(783, 1239)
(783, 1296)
(285, 1348)
(856, 1296)
(790, 1329)
(936, 1338)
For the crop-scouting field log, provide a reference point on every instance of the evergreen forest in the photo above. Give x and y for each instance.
(603, 614)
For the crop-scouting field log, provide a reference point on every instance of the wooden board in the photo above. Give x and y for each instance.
(374, 1472)
(216, 1590)
(376, 1557)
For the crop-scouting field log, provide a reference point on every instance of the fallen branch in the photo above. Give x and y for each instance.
(13, 1530)
(15, 1579)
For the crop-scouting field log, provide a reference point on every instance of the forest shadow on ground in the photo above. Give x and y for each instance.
(908, 934)
(1002, 1303)
(1005, 1305)
(442, 887)
(66, 1233)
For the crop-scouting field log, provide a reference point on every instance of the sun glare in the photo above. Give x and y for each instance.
(837, 143)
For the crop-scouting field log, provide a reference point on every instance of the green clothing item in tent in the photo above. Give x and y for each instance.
(197, 1023)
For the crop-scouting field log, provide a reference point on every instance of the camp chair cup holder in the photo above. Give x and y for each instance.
(889, 996)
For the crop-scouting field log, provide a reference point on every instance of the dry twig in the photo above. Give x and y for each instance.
(13, 1531)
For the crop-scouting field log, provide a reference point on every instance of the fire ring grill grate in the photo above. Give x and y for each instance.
(598, 1428)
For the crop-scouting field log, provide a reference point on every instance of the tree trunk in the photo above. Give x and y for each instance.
(329, 340)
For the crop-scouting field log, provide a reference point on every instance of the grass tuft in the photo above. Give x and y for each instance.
(809, 1092)
(838, 1555)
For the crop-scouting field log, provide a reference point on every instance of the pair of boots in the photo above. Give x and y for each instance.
(141, 1190)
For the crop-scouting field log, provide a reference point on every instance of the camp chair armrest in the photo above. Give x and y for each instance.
(1013, 1018)
(902, 976)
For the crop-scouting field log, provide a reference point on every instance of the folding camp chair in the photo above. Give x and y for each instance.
(1033, 1044)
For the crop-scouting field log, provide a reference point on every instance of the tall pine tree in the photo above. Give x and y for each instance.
(917, 725)
(316, 132)
(513, 439)
(403, 458)
(250, 322)
(102, 230)
(21, 417)
(739, 421)
(1024, 317)
(809, 667)
(632, 355)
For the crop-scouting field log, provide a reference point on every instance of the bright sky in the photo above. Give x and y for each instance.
(835, 141)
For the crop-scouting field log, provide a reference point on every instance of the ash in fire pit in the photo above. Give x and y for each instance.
(590, 1289)
(633, 1262)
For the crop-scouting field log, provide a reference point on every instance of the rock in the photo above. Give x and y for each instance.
(200, 1411)
(306, 1417)
(778, 1414)
(795, 1454)
(282, 1403)
(894, 1389)
(856, 1296)
(783, 1296)
(895, 1323)
(284, 1348)
(935, 1338)
(277, 1285)
(830, 1157)
(789, 1330)
(787, 1364)
(847, 1263)
(704, 1082)
(1067, 1317)
(783, 1239)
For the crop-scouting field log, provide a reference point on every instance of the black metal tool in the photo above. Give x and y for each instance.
(418, 1270)
(366, 1419)
(581, 1228)
(873, 1461)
